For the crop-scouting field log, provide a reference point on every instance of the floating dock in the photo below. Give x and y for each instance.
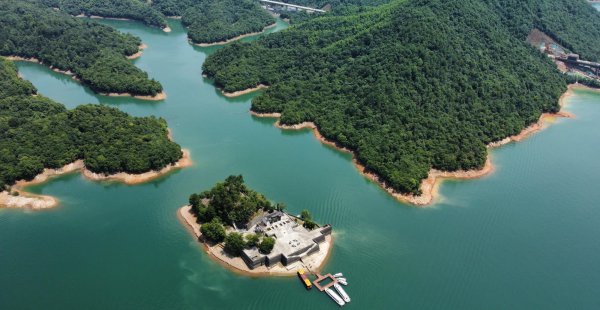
(321, 278)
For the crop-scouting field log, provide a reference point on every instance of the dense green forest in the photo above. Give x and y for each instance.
(210, 21)
(38, 133)
(130, 9)
(94, 53)
(230, 202)
(413, 85)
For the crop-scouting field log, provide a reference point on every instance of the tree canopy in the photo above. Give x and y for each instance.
(211, 21)
(130, 9)
(234, 244)
(413, 85)
(95, 53)
(38, 133)
(230, 201)
(266, 245)
(213, 231)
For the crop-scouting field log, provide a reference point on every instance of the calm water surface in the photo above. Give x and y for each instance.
(526, 237)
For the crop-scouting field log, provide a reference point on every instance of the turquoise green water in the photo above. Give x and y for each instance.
(526, 237)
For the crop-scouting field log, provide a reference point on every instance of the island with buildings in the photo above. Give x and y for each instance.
(245, 232)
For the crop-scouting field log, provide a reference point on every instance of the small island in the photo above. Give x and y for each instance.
(245, 232)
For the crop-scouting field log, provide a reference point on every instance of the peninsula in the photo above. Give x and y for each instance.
(245, 232)
(94, 54)
(40, 138)
(413, 92)
(213, 22)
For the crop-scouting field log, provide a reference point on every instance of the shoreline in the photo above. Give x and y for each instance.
(141, 49)
(37, 61)
(234, 38)
(237, 264)
(243, 92)
(158, 97)
(166, 29)
(430, 185)
(39, 202)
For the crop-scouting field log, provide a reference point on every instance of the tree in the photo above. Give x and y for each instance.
(195, 200)
(213, 231)
(252, 240)
(234, 244)
(309, 224)
(280, 206)
(266, 246)
(231, 201)
(305, 215)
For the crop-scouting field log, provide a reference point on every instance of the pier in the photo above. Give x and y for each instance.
(321, 278)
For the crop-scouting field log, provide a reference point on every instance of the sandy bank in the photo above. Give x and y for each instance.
(158, 97)
(236, 264)
(37, 61)
(167, 29)
(36, 202)
(109, 18)
(234, 39)
(243, 92)
(430, 185)
(174, 17)
(141, 48)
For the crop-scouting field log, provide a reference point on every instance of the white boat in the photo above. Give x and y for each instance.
(342, 292)
(342, 279)
(335, 297)
(338, 275)
(343, 282)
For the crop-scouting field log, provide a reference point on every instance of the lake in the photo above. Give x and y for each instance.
(525, 237)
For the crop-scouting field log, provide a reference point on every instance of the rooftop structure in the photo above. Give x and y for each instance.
(292, 241)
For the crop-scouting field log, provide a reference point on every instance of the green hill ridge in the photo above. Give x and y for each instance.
(413, 85)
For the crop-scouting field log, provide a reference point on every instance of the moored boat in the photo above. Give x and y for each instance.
(342, 279)
(304, 279)
(338, 275)
(343, 282)
(342, 292)
(335, 297)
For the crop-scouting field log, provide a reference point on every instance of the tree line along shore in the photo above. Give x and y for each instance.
(207, 21)
(408, 89)
(40, 138)
(93, 53)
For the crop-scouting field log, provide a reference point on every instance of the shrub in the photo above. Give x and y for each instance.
(213, 231)
(266, 246)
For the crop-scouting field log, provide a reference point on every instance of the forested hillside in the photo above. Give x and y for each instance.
(130, 9)
(93, 52)
(210, 21)
(38, 133)
(416, 84)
